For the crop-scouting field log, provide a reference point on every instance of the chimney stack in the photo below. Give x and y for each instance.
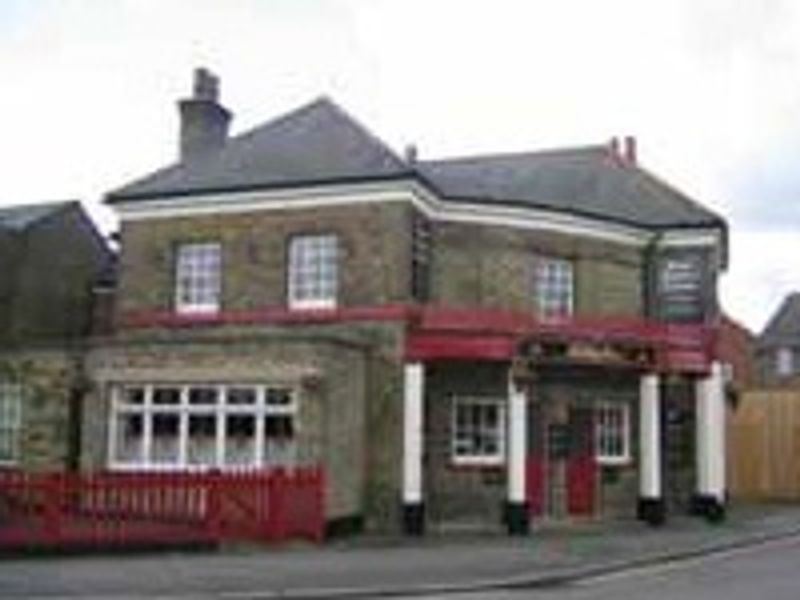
(411, 154)
(204, 121)
(630, 157)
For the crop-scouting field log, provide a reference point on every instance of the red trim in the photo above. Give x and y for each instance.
(276, 315)
(442, 346)
(441, 332)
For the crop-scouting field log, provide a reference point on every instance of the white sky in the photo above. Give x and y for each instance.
(711, 88)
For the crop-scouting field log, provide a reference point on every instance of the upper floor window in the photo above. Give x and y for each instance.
(554, 287)
(10, 421)
(784, 362)
(197, 277)
(313, 271)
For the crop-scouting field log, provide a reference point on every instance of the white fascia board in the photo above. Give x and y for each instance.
(418, 195)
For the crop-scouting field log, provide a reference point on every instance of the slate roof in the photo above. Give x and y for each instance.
(20, 217)
(583, 181)
(316, 143)
(784, 326)
(320, 143)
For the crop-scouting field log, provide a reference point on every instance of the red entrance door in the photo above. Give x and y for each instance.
(581, 463)
(562, 469)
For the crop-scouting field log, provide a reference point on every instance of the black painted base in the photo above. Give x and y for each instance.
(344, 527)
(517, 519)
(652, 511)
(710, 507)
(414, 519)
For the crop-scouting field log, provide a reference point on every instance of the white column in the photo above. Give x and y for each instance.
(517, 443)
(710, 434)
(414, 377)
(649, 438)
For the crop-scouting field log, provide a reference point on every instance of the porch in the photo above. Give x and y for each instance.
(515, 427)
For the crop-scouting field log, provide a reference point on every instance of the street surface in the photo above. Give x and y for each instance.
(766, 572)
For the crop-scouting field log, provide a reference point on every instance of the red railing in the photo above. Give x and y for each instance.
(92, 509)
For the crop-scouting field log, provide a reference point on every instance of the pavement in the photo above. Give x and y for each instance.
(373, 567)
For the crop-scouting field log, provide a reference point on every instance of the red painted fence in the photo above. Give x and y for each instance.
(97, 509)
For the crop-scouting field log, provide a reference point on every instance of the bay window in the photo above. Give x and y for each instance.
(202, 426)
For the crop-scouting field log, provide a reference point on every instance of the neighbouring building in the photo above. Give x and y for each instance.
(778, 346)
(473, 341)
(736, 351)
(51, 256)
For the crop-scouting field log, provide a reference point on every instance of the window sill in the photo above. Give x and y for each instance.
(312, 305)
(477, 464)
(614, 461)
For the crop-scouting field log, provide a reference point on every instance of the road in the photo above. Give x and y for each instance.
(770, 571)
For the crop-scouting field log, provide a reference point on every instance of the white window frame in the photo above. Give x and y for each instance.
(605, 426)
(313, 271)
(496, 458)
(260, 409)
(784, 361)
(198, 277)
(554, 287)
(11, 395)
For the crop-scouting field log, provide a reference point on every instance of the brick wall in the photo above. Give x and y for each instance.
(48, 378)
(329, 374)
(479, 265)
(374, 243)
(59, 260)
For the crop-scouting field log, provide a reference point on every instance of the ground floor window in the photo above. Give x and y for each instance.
(612, 433)
(203, 426)
(10, 421)
(478, 430)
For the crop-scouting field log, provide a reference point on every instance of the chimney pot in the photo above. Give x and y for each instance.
(206, 85)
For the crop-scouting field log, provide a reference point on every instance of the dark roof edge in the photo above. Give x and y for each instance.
(714, 222)
(114, 198)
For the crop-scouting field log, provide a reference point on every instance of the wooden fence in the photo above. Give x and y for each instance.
(102, 509)
(764, 446)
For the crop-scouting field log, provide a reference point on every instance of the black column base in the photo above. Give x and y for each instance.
(414, 518)
(710, 507)
(517, 519)
(652, 511)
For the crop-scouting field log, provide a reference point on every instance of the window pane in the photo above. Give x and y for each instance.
(202, 445)
(278, 397)
(165, 438)
(166, 396)
(133, 396)
(240, 440)
(129, 445)
(203, 395)
(279, 444)
(241, 395)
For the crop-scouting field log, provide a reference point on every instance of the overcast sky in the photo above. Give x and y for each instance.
(711, 89)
